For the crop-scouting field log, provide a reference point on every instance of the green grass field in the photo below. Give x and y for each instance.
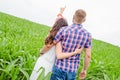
(20, 41)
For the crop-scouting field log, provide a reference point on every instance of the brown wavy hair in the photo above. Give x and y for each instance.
(57, 25)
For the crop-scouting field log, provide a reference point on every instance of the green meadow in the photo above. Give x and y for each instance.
(21, 40)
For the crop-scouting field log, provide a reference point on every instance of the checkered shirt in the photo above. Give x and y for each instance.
(71, 38)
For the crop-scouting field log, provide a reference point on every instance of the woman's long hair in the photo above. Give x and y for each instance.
(58, 24)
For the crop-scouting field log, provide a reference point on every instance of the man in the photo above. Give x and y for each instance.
(72, 37)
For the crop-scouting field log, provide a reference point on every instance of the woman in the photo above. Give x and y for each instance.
(47, 58)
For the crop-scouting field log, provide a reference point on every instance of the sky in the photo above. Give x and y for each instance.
(103, 16)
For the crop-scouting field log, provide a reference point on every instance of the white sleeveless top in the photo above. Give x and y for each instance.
(47, 61)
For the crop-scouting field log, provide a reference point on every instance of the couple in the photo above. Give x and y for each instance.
(63, 45)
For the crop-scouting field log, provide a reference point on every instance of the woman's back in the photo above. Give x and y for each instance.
(46, 61)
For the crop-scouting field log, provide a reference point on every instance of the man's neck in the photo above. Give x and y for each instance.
(77, 22)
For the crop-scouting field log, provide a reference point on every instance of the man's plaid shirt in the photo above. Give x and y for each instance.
(71, 38)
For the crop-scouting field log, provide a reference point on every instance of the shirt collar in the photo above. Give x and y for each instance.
(78, 25)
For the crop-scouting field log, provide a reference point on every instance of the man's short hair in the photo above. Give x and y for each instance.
(80, 14)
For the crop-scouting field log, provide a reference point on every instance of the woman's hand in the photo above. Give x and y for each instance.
(61, 12)
(62, 9)
(78, 51)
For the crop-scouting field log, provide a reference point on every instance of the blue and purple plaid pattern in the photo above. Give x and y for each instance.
(72, 37)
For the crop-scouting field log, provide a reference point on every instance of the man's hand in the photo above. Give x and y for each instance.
(41, 54)
(45, 48)
(82, 74)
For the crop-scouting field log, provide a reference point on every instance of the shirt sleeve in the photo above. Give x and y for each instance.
(58, 36)
(88, 43)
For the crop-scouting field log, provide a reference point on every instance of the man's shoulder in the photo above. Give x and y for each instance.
(86, 31)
